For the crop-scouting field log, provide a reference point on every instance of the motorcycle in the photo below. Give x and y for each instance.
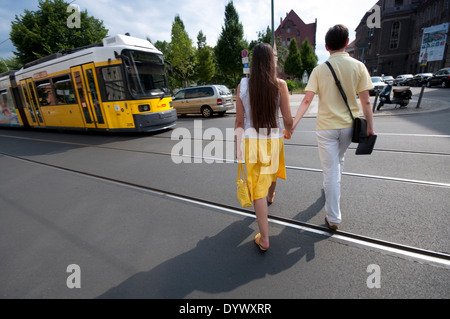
(401, 96)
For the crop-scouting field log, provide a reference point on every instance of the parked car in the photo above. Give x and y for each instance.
(418, 79)
(204, 100)
(441, 78)
(378, 84)
(401, 79)
(388, 79)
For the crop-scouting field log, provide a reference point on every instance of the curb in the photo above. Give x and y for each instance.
(427, 106)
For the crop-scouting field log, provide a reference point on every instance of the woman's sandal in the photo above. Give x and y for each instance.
(257, 242)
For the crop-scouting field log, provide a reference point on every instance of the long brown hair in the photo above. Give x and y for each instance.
(263, 88)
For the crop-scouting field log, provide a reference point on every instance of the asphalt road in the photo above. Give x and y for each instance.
(101, 202)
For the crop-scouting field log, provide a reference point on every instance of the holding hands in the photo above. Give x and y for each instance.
(287, 135)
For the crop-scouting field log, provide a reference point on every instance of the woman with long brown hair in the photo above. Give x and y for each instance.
(258, 125)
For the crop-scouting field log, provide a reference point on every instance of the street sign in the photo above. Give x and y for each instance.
(245, 61)
(305, 77)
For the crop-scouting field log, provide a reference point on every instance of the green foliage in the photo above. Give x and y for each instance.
(164, 47)
(263, 37)
(181, 53)
(291, 85)
(9, 64)
(293, 64)
(36, 34)
(205, 68)
(230, 45)
(309, 58)
(282, 52)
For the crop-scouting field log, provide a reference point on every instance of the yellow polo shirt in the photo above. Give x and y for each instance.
(354, 77)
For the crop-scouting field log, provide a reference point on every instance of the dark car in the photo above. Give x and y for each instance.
(440, 78)
(401, 79)
(419, 79)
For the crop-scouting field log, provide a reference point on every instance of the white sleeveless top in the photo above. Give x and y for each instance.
(250, 131)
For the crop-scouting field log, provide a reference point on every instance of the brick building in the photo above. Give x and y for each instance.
(394, 48)
(292, 27)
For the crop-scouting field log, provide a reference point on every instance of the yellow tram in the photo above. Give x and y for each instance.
(117, 85)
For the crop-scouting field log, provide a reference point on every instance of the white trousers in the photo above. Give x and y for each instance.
(332, 147)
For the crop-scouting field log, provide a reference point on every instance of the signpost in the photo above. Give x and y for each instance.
(245, 61)
(305, 77)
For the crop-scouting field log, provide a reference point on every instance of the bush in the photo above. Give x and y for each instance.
(291, 85)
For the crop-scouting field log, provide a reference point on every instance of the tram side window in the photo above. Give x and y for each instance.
(64, 90)
(45, 93)
(114, 84)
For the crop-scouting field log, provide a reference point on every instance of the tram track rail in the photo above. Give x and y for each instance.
(290, 143)
(224, 160)
(287, 143)
(415, 253)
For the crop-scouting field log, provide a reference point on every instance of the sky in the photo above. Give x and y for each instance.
(154, 18)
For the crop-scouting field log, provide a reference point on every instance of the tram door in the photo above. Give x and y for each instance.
(33, 100)
(93, 96)
(86, 106)
(31, 108)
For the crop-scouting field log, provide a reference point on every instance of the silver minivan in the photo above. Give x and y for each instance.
(205, 100)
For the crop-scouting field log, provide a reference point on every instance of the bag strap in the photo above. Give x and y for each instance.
(338, 83)
(241, 172)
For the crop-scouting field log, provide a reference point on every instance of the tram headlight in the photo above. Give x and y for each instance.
(144, 108)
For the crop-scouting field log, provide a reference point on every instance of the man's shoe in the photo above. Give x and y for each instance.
(332, 226)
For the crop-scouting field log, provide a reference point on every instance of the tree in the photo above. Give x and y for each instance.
(205, 67)
(164, 47)
(263, 37)
(282, 53)
(181, 53)
(230, 45)
(36, 34)
(9, 64)
(293, 63)
(309, 58)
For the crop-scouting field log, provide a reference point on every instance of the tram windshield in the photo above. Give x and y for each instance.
(145, 74)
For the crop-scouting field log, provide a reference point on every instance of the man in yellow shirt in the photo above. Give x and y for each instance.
(334, 123)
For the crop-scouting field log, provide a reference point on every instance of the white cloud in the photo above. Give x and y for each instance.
(154, 18)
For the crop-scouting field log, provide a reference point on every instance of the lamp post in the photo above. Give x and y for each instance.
(273, 26)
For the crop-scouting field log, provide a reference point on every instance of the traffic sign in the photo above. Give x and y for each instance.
(244, 53)
(305, 77)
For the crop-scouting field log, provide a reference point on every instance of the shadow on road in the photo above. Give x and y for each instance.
(222, 263)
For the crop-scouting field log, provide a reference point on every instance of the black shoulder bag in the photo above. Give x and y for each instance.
(366, 143)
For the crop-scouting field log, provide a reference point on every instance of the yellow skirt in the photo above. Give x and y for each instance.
(264, 161)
